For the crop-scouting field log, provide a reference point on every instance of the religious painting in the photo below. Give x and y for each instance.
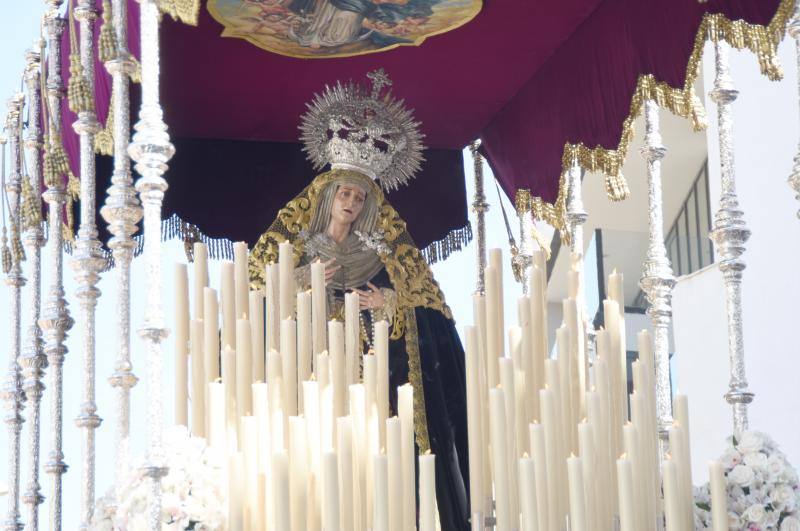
(339, 28)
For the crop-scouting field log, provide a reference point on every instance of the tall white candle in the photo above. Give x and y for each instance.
(352, 338)
(672, 496)
(250, 476)
(555, 469)
(311, 414)
(577, 504)
(474, 436)
(338, 376)
(181, 345)
(261, 413)
(244, 369)
(719, 496)
(479, 311)
(330, 481)
(496, 262)
(678, 447)
(405, 410)
(627, 515)
(281, 490)
(501, 455)
(394, 456)
(319, 317)
(286, 280)
(236, 491)
(564, 388)
(382, 368)
(539, 453)
(304, 355)
(427, 492)
(242, 280)
(586, 443)
(298, 475)
(381, 468)
(325, 401)
(371, 432)
(216, 416)
(494, 330)
(578, 361)
(229, 379)
(289, 368)
(344, 445)
(534, 373)
(200, 255)
(358, 414)
(527, 493)
(198, 379)
(228, 297)
(273, 305)
(256, 314)
(211, 333)
(507, 381)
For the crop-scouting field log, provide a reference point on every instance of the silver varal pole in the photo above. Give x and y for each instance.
(55, 321)
(657, 278)
(151, 149)
(122, 212)
(729, 235)
(794, 30)
(480, 207)
(88, 261)
(526, 247)
(33, 360)
(576, 214)
(12, 386)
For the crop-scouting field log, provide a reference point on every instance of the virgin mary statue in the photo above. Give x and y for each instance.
(342, 218)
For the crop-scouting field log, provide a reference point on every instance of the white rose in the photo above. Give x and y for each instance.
(755, 513)
(790, 523)
(784, 496)
(776, 466)
(741, 475)
(756, 460)
(730, 458)
(750, 441)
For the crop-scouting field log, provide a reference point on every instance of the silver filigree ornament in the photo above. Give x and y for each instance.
(375, 240)
(350, 128)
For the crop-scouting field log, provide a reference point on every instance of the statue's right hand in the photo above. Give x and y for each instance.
(330, 270)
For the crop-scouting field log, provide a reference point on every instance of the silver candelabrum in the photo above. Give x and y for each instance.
(12, 392)
(122, 212)
(151, 149)
(88, 261)
(33, 360)
(480, 207)
(729, 235)
(657, 278)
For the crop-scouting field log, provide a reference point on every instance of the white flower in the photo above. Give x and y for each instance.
(790, 523)
(755, 513)
(730, 458)
(783, 498)
(741, 475)
(775, 467)
(750, 441)
(756, 460)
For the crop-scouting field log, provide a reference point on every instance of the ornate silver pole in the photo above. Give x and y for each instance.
(33, 360)
(730, 234)
(12, 389)
(657, 278)
(122, 212)
(794, 30)
(55, 321)
(480, 207)
(88, 261)
(151, 149)
(576, 215)
(526, 240)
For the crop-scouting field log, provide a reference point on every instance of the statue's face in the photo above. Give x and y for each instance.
(347, 203)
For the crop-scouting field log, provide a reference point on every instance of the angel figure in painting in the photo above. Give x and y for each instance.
(372, 144)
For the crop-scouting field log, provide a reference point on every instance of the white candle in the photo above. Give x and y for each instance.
(500, 454)
(311, 414)
(289, 369)
(586, 443)
(534, 374)
(200, 255)
(244, 369)
(273, 305)
(352, 338)
(319, 317)
(527, 493)
(338, 377)
(494, 330)
(427, 492)
(256, 314)
(330, 481)
(286, 280)
(216, 416)
(577, 504)
(325, 401)
(298, 466)
(405, 410)
(381, 466)
(235, 491)
(719, 496)
(507, 380)
(634, 453)
(554, 446)
(627, 515)
(211, 333)
(474, 436)
(382, 369)
(281, 490)
(358, 415)
(539, 452)
(344, 445)
(181, 345)
(198, 379)
(678, 447)
(496, 262)
(371, 433)
(304, 355)
(615, 291)
(672, 496)
(250, 476)
(578, 361)
(394, 456)
(261, 413)
(229, 379)
(242, 280)
(563, 389)
(228, 296)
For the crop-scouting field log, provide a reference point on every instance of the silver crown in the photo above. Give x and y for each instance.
(350, 128)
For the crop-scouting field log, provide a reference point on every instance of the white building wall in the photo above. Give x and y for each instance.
(766, 136)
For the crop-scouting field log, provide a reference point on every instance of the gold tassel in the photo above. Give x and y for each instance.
(17, 251)
(78, 92)
(6, 254)
(107, 45)
(55, 162)
(31, 211)
(617, 187)
(66, 229)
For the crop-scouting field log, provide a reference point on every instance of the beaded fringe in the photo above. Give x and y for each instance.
(455, 240)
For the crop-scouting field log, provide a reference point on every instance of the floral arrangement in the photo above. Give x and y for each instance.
(192, 491)
(763, 490)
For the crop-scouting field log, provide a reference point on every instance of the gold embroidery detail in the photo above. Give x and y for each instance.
(185, 11)
(415, 378)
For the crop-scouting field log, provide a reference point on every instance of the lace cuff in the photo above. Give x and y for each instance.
(389, 305)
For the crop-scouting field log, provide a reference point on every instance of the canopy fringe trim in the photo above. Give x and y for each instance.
(455, 240)
(761, 40)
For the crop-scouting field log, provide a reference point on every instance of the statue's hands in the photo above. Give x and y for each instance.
(330, 270)
(370, 299)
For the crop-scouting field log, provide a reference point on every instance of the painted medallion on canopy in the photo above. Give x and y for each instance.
(339, 28)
